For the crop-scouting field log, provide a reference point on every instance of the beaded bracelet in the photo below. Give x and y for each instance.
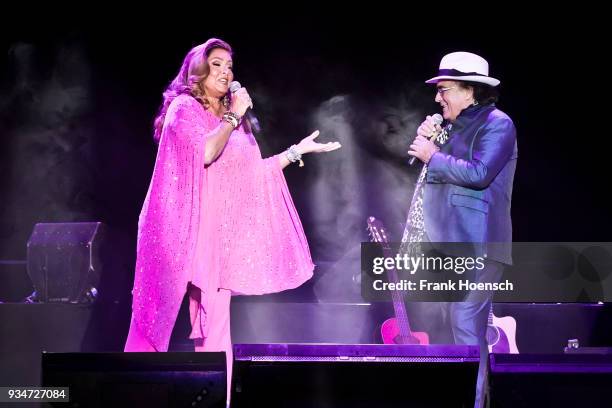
(293, 155)
(232, 118)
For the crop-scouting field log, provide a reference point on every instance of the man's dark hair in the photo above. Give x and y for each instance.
(483, 94)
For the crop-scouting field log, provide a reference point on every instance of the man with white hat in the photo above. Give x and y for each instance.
(465, 188)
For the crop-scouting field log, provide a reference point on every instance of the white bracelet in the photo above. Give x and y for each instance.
(293, 155)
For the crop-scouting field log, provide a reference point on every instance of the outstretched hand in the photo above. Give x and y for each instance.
(308, 145)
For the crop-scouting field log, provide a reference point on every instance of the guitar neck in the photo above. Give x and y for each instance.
(378, 234)
(398, 302)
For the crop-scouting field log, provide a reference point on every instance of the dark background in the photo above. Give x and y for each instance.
(78, 97)
(79, 92)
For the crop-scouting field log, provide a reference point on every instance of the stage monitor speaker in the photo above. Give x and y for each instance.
(550, 380)
(63, 261)
(152, 380)
(354, 375)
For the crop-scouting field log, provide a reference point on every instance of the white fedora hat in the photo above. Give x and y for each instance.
(464, 66)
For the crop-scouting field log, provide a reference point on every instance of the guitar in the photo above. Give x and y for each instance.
(395, 330)
(501, 334)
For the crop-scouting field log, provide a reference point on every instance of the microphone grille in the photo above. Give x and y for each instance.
(437, 118)
(234, 86)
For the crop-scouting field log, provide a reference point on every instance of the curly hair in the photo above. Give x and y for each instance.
(193, 71)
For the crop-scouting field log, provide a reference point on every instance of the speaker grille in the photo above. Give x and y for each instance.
(361, 359)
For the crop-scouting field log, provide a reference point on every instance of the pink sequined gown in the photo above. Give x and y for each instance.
(229, 225)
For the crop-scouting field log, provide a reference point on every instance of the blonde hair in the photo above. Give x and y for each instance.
(193, 71)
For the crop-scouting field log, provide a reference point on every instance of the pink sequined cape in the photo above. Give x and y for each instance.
(229, 225)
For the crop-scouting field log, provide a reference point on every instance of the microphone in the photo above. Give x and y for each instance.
(437, 118)
(250, 116)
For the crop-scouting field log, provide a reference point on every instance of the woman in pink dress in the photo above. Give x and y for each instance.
(217, 219)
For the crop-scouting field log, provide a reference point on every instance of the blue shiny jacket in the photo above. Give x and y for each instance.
(469, 183)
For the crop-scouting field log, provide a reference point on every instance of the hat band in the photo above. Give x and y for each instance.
(454, 72)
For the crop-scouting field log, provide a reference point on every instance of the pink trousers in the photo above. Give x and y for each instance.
(218, 339)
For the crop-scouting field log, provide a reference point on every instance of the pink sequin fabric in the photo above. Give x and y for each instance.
(230, 225)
